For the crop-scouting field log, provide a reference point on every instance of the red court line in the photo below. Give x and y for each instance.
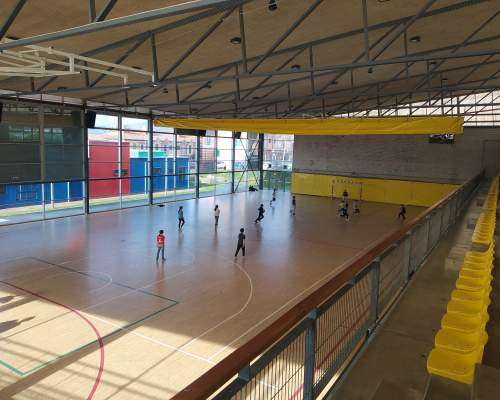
(98, 335)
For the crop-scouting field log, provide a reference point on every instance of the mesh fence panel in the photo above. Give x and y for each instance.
(340, 327)
(392, 275)
(435, 227)
(418, 245)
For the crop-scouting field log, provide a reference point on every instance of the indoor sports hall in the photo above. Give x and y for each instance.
(249, 199)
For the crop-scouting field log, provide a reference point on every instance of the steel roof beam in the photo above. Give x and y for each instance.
(11, 17)
(145, 16)
(287, 33)
(336, 37)
(106, 9)
(187, 53)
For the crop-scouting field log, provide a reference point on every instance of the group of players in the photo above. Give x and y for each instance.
(160, 238)
(343, 212)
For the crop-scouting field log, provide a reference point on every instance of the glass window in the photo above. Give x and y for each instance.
(134, 124)
(106, 121)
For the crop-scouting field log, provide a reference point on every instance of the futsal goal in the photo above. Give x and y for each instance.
(353, 186)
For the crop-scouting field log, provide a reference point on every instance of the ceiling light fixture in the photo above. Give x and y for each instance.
(273, 6)
(334, 82)
(415, 39)
(236, 40)
(208, 85)
(370, 70)
(295, 67)
(62, 87)
(165, 90)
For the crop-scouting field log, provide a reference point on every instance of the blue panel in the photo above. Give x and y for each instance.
(61, 191)
(158, 172)
(138, 168)
(76, 190)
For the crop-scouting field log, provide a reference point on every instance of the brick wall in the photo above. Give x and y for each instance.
(400, 156)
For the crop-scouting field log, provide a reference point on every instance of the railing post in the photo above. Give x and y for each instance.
(244, 373)
(310, 356)
(375, 266)
(407, 255)
(428, 219)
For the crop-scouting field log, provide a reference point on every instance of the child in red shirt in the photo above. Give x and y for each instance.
(160, 244)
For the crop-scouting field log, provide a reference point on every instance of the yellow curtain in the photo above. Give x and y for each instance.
(330, 126)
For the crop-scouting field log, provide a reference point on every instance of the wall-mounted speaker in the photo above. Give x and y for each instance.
(90, 119)
(192, 132)
(237, 135)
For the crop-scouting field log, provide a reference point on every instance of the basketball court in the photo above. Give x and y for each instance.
(162, 324)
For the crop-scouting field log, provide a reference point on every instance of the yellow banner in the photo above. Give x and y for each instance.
(330, 126)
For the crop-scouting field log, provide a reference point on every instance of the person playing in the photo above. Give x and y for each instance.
(261, 213)
(180, 215)
(345, 196)
(241, 243)
(345, 213)
(356, 207)
(402, 212)
(294, 206)
(274, 197)
(340, 209)
(160, 244)
(216, 214)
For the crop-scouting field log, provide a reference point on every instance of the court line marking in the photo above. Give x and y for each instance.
(249, 299)
(86, 320)
(79, 348)
(153, 340)
(327, 276)
(113, 282)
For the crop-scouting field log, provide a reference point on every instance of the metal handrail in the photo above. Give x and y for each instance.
(223, 372)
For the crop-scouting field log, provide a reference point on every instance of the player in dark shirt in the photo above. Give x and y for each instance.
(261, 213)
(241, 243)
(402, 212)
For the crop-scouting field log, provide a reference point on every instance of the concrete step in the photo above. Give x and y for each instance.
(486, 384)
(388, 390)
(445, 389)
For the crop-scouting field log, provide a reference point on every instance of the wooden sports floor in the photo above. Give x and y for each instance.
(86, 313)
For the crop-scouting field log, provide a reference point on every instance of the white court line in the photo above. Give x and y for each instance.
(335, 271)
(250, 296)
(168, 346)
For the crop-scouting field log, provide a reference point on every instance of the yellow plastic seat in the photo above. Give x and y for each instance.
(476, 266)
(451, 365)
(472, 284)
(467, 295)
(464, 323)
(475, 274)
(466, 308)
(460, 342)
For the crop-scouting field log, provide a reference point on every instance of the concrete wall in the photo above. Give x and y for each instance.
(400, 156)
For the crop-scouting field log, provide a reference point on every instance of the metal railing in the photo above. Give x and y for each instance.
(298, 355)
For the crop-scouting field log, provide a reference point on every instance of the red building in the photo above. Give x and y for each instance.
(103, 164)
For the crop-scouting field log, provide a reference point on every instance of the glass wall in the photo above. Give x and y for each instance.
(277, 161)
(130, 162)
(41, 176)
(246, 161)
(119, 162)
